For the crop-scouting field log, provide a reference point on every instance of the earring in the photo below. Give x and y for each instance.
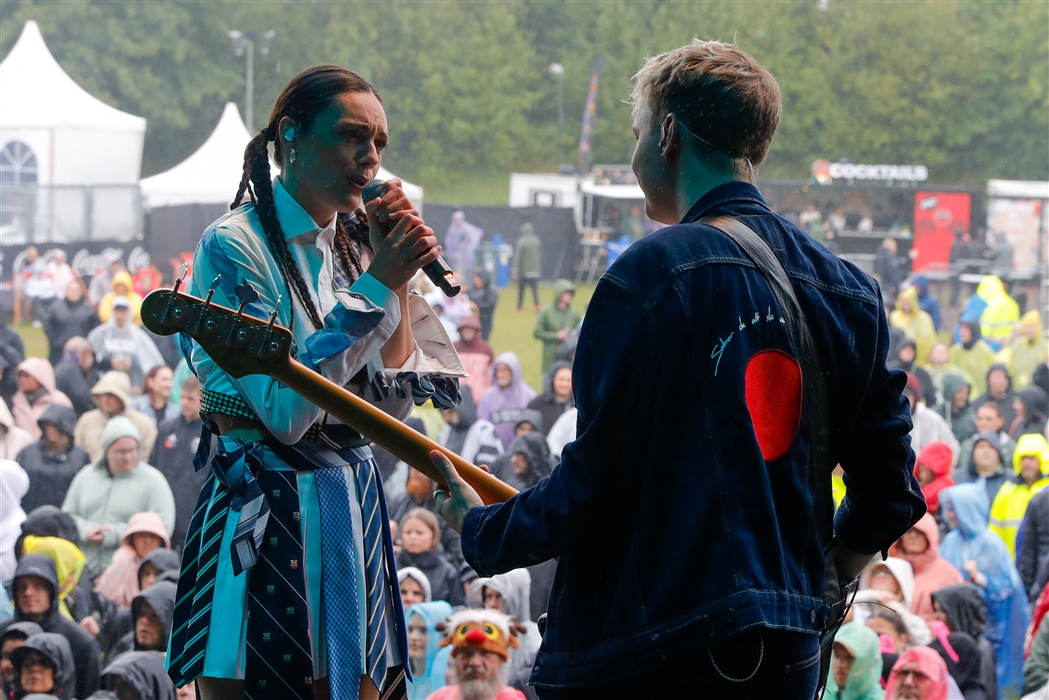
(292, 157)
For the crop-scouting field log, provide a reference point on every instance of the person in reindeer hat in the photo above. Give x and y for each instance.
(481, 641)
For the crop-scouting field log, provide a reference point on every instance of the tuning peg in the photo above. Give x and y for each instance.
(181, 276)
(247, 295)
(211, 293)
(273, 316)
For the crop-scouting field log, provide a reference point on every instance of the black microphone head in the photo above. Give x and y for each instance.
(373, 190)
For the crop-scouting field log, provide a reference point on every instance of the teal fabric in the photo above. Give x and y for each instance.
(432, 677)
(865, 676)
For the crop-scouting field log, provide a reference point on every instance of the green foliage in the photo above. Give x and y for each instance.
(962, 87)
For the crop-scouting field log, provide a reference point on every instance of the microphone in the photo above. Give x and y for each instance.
(438, 271)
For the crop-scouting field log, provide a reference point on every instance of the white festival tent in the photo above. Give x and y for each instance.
(76, 139)
(211, 174)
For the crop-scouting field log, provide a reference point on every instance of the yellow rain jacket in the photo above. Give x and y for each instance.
(1010, 505)
(105, 307)
(69, 562)
(1027, 355)
(1001, 314)
(916, 324)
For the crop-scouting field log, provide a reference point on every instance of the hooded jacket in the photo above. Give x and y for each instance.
(28, 409)
(476, 356)
(1036, 407)
(431, 677)
(1028, 355)
(12, 438)
(56, 649)
(937, 457)
(105, 306)
(131, 342)
(66, 320)
(89, 429)
(975, 358)
(69, 568)
(553, 319)
(96, 497)
(993, 483)
(471, 438)
(964, 607)
(14, 483)
(915, 323)
(160, 597)
(928, 303)
(917, 628)
(1004, 401)
(533, 446)
(528, 254)
(502, 407)
(177, 442)
(51, 473)
(963, 421)
(864, 681)
(444, 579)
(144, 671)
(84, 647)
(515, 588)
(931, 571)
(119, 582)
(547, 404)
(929, 663)
(1010, 503)
(1003, 593)
(1000, 315)
(486, 299)
(12, 352)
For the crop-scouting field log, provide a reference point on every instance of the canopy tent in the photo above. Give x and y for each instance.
(211, 174)
(56, 129)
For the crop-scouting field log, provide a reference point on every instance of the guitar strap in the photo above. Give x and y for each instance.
(836, 595)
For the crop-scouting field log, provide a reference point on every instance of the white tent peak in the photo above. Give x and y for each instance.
(38, 93)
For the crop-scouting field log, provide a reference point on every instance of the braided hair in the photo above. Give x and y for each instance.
(307, 95)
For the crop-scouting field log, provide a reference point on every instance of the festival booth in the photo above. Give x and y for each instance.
(182, 202)
(70, 162)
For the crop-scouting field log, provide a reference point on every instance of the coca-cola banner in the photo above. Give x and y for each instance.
(85, 257)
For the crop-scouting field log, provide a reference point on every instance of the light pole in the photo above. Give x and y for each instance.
(244, 44)
(559, 70)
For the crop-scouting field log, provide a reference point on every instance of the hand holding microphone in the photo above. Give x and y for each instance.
(435, 267)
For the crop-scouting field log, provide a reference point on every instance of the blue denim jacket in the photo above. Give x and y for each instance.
(671, 528)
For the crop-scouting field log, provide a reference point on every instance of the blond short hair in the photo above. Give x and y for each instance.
(718, 92)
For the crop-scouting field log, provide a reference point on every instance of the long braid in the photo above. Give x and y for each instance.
(347, 245)
(256, 162)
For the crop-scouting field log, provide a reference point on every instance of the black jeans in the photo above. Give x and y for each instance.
(523, 282)
(757, 664)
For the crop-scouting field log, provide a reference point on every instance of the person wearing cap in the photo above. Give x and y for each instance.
(36, 600)
(104, 495)
(475, 353)
(481, 641)
(120, 344)
(122, 289)
(112, 395)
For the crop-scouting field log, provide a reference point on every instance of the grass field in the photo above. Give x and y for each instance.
(511, 330)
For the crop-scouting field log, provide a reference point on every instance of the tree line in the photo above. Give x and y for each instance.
(961, 87)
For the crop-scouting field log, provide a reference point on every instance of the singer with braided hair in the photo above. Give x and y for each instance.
(288, 585)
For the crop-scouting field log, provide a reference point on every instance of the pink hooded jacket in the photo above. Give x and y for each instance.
(119, 582)
(931, 571)
(26, 414)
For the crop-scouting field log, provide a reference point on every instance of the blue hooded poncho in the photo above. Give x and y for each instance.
(971, 540)
(432, 677)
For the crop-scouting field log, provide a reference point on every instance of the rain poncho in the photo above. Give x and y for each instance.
(502, 407)
(1002, 591)
(1010, 504)
(460, 243)
(865, 676)
(105, 306)
(69, 564)
(975, 358)
(937, 457)
(929, 663)
(1027, 354)
(917, 324)
(1001, 313)
(931, 571)
(28, 409)
(119, 582)
(428, 679)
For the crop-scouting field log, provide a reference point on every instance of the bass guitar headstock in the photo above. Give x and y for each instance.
(239, 344)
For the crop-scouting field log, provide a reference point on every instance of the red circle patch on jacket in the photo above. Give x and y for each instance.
(773, 394)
